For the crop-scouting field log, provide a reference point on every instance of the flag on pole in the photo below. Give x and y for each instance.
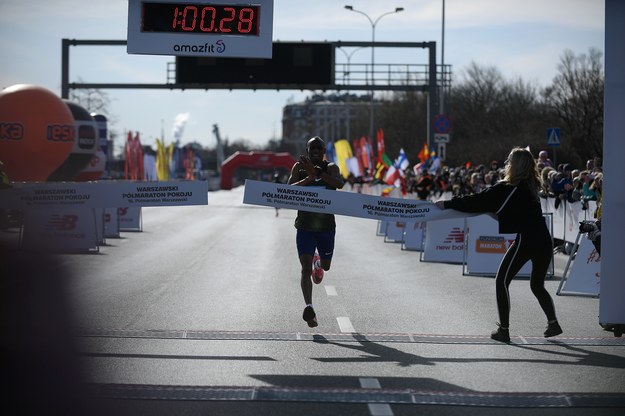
(380, 143)
(396, 170)
(382, 166)
(424, 154)
(343, 152)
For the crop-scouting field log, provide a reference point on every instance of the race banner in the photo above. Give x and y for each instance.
(60, 230)
(105, 194)
(318, 199)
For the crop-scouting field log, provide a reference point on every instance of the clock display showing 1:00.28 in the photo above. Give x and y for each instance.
(200, 18)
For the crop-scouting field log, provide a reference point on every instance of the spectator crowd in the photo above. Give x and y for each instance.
(562, 182)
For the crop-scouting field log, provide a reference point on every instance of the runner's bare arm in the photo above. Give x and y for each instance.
(333, 176)
(295, 177)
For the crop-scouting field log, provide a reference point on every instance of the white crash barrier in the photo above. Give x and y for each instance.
(60, 230)
(394, 231)
(111, 223)
(583, 278)
(444, 241)
(130, 219)
(485, 247)
(413, 236)
(79, 207)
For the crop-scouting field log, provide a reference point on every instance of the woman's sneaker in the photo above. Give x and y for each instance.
(317, 273)
(553, 330)
(501, 334)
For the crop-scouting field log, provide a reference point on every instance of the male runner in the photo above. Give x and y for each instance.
(315, 231)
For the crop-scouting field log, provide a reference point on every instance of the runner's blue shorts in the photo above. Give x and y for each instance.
(323, 241)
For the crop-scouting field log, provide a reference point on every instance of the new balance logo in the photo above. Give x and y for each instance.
(456, 235)
(62, 222)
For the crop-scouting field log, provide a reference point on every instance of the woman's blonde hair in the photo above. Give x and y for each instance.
(521, 168)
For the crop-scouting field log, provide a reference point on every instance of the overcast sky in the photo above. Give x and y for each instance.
(522, 38)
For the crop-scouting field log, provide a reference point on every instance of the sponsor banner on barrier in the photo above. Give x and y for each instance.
(413, 236)
(106, 194)
(111, 222)
(322, 200)
(444, 241)
(61, 230)
(585, 275)
(130, 219)
(486, 247)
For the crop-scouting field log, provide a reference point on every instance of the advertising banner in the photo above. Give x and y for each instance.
(395, 231)
(413, 236)
(60, 230)
(111, 222)
(322, 200)
(584, 277)
(105, 194)
(444, 241)
(99, 225)
(486, 247)
(130, 219)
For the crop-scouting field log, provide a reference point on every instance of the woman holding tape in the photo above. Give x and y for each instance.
(515, 202)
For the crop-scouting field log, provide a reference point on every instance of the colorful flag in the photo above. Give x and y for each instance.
(424, 154)
(163, 158)
(366, 153)
(380, 142)
(133, 167)
(331, 153)
(343, 152)
(382, 166)
(396, 171)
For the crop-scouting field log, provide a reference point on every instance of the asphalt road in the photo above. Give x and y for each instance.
(200, 313)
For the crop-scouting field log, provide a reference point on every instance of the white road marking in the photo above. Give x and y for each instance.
(369, 383)
(331, 290)
(345, 324)
(376, 409)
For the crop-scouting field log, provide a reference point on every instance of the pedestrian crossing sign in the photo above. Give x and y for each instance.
(553, 136)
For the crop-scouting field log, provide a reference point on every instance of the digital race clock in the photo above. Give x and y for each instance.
(226, 28)
(200, 18)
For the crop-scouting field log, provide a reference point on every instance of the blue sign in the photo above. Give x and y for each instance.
(441, 124)
(553, 136)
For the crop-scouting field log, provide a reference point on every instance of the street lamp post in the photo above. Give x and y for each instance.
(347, 73)
(373, 25)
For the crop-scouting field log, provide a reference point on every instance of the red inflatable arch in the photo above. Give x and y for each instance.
(254, 160)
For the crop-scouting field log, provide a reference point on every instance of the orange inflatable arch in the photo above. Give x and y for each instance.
(254, 160)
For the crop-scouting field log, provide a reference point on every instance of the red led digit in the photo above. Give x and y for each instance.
(246, 20)
(227, 20)
(175, 21)
(213, 13)
(185, 15)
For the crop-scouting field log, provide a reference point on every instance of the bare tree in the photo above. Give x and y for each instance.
(92, 99)
(491, 115)
(576, 99)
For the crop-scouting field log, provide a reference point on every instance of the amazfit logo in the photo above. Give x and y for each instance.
(217, 47)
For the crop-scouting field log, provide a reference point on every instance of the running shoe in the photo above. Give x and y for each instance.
(501, 334)
(317, 273)
(310, 316)
(553, 330)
